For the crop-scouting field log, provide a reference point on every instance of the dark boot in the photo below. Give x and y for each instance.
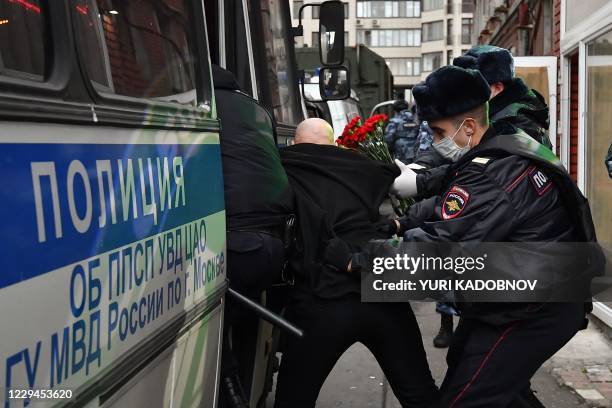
(232, 393)
(443, 339)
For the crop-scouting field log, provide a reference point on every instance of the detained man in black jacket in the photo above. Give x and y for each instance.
(503, 187)
(258, 199)
(338, 194)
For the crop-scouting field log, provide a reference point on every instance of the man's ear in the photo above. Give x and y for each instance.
(469, 126)
(496, 88)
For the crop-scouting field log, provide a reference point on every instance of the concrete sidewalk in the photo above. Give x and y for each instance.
(584, 366)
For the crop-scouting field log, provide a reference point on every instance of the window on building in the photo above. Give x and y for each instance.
(315, 39)
(466, 30)
(147, 50)
(296, 8)
(23, 39)
(432, 61)
(404, 66)
(433, 31)
(467, 6)
(449, 58)
(317, 9)
(388, 9)
(579, 10)
(390, 38)
(432, 5)
(449, 31)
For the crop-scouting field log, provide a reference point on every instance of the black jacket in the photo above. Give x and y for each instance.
(506, 189)
(517, 106)
(257, 191)
(338, 193)
(534, 197)
(524, 108)
(492, 198)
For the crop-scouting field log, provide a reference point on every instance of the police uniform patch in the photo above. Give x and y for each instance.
(540, 181)
(454, 202)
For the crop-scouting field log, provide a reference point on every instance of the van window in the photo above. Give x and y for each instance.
(275, 23)
(139, 48)
(24, 37)
(236, 45)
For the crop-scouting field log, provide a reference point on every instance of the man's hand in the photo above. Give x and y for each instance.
(405, 184)
(338, 255)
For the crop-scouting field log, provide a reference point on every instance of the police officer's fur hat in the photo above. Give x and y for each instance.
(400, 105)
(449, 91)
(494, 63)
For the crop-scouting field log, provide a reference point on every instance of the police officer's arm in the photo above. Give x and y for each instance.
(417, 215)
(430, 182)
(474, 208)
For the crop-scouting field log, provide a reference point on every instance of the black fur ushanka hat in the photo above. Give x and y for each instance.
(449, 91)
(494, 63)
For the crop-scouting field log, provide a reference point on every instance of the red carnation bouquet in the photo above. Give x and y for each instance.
(368, 139)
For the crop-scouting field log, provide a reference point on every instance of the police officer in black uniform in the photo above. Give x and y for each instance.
(511, 101)
(503, 187)
(258, 201)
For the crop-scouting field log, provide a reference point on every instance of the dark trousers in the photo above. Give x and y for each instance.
(491, 365)
(254, 263)
(388, 330)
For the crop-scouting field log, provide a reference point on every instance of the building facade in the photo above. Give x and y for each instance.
(414, 36)
(578, 35)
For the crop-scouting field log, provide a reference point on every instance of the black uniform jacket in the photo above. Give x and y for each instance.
(516, 106)
(338, 193)
(509, 188)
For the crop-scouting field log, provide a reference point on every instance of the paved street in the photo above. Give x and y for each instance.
(357, 381)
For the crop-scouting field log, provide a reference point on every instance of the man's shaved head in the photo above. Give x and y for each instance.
(314, 130)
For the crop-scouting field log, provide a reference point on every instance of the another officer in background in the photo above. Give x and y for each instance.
(511, 100)
(492, 196)
(401, 133)
(258, 200)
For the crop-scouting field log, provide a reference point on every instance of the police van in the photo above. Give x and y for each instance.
(113, 230)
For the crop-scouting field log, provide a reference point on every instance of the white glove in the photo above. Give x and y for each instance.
(415, 166)
(405, 184)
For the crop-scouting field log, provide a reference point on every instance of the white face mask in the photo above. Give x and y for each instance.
(449, 149)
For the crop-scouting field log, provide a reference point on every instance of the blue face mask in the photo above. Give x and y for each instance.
(449, 149)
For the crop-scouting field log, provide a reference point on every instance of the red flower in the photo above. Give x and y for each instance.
(351, 127)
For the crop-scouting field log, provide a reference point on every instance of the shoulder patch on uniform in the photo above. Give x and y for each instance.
(540, 181)
(480, 160)
(454, 202)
